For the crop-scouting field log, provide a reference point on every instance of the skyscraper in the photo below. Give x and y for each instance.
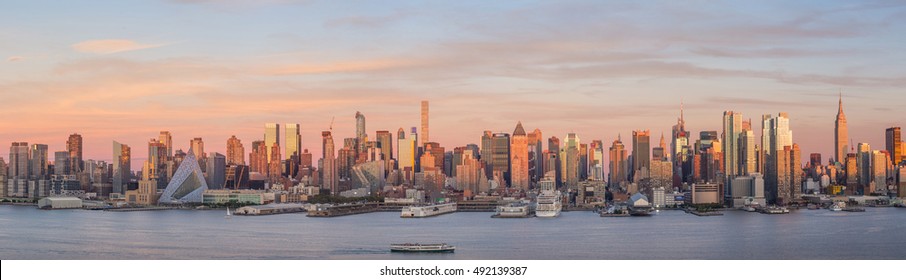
(258, 157)
(424, 137)
(406, 150)
(519, 159)
(863, 164)
(361, 135)
(641, 152)
(39, 161)
(293, 140)
(781, 159)
(74, 147)
(235, 152)
(330, 179)
(681, 151)
(841, 133)
(157, 158)
(122, 171)
(385, 141)
(61, 163)
(746, 153)
(167, 139)
(215, 173)
(271, 137)
(894, 146)
(197, 146)
(618, 166)
(569, 160)
(536, 160)
(732, 125)
(19, 161)
(500, 156)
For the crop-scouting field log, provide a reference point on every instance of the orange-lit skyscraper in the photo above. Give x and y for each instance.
(74, 146)
(840, 134)
(424, 133)
(894, 145)
(519, 160)
(330, 179)
(641, 152)
(293, 140)
(235, 152)
(618, 167)
(271, 136)
(167, 139)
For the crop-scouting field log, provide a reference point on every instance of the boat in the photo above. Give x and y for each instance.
(427, 210)
(749, 208)
(837, 206)
(548, 204)
(515, 210)
(422, 248)
(229, 214)
(640, 213)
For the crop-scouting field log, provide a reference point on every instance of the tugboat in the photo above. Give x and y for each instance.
(422, 248)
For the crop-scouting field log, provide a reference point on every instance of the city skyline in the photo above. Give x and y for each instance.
(285, 63)
(138, 156)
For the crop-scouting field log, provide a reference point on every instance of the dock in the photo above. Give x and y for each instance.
(137, 209)
(343, 210)
(478, 205)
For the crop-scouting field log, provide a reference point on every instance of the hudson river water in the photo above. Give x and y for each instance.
(29, 233)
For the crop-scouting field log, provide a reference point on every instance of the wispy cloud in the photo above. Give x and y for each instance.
(366, 21)
(15, 58)
(109, 46)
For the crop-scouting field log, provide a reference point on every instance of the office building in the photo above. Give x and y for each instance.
(894, 145)
(293, 145)
(271, 138)
(122, 172)
(841, 134)
(519, 159)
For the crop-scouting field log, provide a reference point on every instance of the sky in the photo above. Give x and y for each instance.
(125, 70)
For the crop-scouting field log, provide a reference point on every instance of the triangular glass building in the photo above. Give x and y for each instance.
(187, 184)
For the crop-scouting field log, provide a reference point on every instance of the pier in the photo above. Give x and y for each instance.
(138, 209)
(346, 209)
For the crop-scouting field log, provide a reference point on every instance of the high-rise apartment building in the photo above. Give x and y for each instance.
(618, 166)
(385, 142)
(122, 171)
(361, 135)
(746, 152)
(536, 160)
(732, 125)
(39, 161)
(167, 139)
(330, 179)
(425, 137)
(235, 152)
(74, 147)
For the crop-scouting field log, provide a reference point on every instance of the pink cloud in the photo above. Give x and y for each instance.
(109, 46)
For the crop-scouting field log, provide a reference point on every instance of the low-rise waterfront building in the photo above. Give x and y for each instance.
(60, 203)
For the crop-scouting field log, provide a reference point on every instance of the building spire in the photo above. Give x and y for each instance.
(681, 117)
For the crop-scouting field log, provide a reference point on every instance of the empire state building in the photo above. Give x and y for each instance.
(840, 134)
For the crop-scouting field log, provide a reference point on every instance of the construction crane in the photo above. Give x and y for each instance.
(331, 123)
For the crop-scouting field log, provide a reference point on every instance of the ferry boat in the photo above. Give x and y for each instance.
(427, 210)
(548, 204)
(422, 248)
(515, 210)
